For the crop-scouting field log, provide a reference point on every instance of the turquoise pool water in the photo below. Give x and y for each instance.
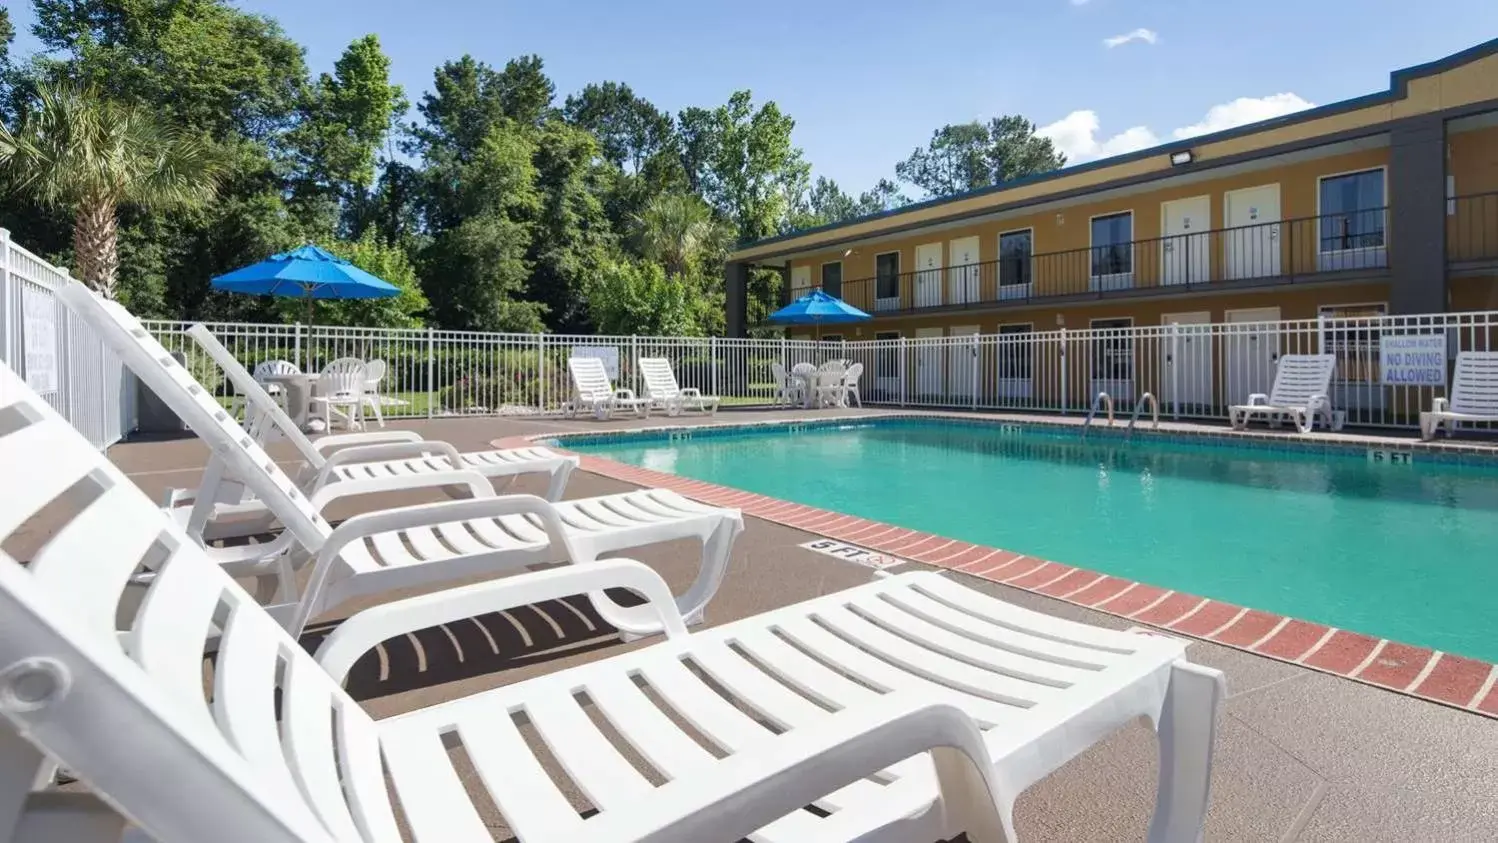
(1407, 552)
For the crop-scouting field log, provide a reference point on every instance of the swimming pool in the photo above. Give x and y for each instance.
(1406, 552)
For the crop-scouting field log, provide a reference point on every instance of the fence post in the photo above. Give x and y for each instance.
(977, 364)
(431, 371)
(634, 363)
(904, 354)
(541, 371)
(8, 332)
(296, 347)
(1065, 400)
(712, 345)
(1175, 371)
(1321, 333)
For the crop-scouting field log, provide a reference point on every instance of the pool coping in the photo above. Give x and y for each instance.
(1454, 681)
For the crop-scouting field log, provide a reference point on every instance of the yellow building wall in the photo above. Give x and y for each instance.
(1070, 229)
(1472, 224)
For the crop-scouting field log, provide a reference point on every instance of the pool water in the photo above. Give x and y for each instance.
(1406, 552)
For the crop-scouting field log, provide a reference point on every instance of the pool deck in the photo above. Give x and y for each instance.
(1302, 754)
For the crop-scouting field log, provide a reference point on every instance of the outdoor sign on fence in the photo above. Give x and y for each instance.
(1413, 360)
(609, 354)
(39, 327)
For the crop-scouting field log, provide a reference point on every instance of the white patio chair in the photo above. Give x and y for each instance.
(907, 709)
(787, 390)
(1474, 395)
(265, 369)
(850, 383)
(828, 387)
(805, 376)
(1301, 391)
(341, 385)
(592, 392)
(374, 372)
(222, 506)
(663, 392)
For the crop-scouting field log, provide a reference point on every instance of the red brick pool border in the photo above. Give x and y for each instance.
(1451, 680)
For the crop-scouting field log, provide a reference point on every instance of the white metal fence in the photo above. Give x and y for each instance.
(1389, 368)
(57, 354)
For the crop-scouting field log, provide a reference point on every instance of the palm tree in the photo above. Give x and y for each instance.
(679, 230)
(89, 155)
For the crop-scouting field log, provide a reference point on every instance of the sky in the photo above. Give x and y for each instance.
(868, 81)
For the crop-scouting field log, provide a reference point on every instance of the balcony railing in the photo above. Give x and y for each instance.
(1472, 228)
(1281, 252)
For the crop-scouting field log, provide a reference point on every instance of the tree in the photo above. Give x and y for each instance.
(967, 156)
(571, 236)
(91, 156)
(346, 116)
(679, 232)
(637, 298)
(629, 129)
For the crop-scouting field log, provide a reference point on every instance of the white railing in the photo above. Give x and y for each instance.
(1389, 368)
(57, 354)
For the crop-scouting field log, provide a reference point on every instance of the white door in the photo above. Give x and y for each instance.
(928, 275)
(1250, 352)
(1251, 244)
(887, 365)
(962, 277)
(962, 364)
(1186, 363)
(1014, 359)
(1185, 250)
(800, 281)
(928, 365)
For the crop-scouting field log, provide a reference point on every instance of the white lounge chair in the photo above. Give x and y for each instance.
(663, 392)
(1474, 395)
(908, 709)
(592, 392)
(427, 544)
(1301, 391)
(220, 506)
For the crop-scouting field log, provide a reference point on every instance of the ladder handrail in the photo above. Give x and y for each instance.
(1139, 405)
(1102, 397)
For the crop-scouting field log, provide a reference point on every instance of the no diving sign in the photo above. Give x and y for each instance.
(853, 553)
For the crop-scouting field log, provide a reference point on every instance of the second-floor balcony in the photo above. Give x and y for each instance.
(1350, 244)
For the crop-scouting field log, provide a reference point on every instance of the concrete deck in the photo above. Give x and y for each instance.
(1301, 755)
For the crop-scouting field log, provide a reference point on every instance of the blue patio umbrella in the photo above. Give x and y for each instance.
(311, 273)
(817, 308)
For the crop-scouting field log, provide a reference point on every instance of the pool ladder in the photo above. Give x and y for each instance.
(1102, 398)
(1146, 398)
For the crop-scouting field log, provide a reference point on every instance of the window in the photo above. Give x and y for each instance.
(832, 278)
(887, 276)
(1352, 211)
(1352, 335)
(1112, 246)
(1015, 249)
(1015, 352)
(832, 338)
(1112, 350)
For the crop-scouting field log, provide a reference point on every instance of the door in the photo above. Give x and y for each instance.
(887, 365)
(928, 275)
(1015, 360)
(962, 278)
(928, 365)
(1251, 243)
(962, 364)
(1186, 248)
(1186, 363)
(1111, 359)
(1251, 349)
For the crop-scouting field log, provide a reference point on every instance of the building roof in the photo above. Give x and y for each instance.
(1043, 186)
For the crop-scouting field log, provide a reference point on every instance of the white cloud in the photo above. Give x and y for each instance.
(1148, 36)
(1077, 134)
(1241, 112)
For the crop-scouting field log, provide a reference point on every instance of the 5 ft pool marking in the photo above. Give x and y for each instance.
(854, 553)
